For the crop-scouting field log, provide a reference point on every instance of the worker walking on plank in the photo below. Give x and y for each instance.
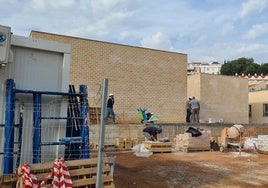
(151, 132)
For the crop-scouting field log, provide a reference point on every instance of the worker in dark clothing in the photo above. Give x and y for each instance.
(110, 110)
(188, 111)
(151, 133)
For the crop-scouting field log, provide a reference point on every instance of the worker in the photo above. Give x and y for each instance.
(110, 110)
(188, 111)
(151, 132)
(195, 108)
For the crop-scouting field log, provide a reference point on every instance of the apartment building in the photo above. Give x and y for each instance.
(209, 68)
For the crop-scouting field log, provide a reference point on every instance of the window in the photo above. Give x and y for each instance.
(265, 109)
(249, 111)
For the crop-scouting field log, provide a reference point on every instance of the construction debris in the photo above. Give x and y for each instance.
(141, 151)
(263, 142)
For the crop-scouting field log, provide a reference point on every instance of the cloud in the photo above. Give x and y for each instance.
(226, 29)
(97, 19)
(157, 41)
(257, 31)
(231, 51)
(204, 30)
(46, 5)
(252, 6)
(128, 36)
(256, 51)
(201, 39)
(101, 27)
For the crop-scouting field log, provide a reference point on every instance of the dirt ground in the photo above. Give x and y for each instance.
(191, 170)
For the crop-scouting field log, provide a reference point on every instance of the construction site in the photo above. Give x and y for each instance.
(54, 132)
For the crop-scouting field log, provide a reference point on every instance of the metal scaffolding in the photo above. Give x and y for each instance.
(76, 113)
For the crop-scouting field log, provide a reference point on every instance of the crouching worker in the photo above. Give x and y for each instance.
(151, 132)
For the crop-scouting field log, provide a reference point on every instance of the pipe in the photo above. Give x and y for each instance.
(99, 183)
(37, 128)
(9, 130)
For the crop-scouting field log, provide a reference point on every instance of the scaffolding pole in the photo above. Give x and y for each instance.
(101, 135)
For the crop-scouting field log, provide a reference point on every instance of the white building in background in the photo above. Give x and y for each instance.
(209, 68)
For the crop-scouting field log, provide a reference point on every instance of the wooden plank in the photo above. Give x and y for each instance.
(91, 161)
(85, 181)
(109, 186)
(8, 185)
(83, 173)
(7, 181)
(161, 150)
(92, 181)
(69, 164)
(196, 148)
(7, 178)
(88, 171)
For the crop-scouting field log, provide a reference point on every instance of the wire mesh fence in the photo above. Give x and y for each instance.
(55, 142)
(59, 134)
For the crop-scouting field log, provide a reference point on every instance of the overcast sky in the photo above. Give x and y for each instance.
(206, 30)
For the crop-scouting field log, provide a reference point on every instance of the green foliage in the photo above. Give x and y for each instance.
(264, 68)
(227, 69)
(243, 66)
(252, 68)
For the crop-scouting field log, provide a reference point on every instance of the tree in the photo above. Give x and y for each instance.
(227, 69)
(264, 68)
(239, 66)
(252, 69)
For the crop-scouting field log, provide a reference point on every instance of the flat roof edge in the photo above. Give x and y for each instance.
(40, 44)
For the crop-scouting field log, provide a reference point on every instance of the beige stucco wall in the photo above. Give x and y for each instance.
(139, 77)
(256, 100)
(221, 97)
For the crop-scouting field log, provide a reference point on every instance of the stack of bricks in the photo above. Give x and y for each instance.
(185, 142)
(94, 115)
(158, 147)
(126, 143)
(181, 140)
(263, 142)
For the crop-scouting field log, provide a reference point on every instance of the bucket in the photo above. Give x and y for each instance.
(209, 120)
(111, 160)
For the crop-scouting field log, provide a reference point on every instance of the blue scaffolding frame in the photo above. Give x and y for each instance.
(9, 126)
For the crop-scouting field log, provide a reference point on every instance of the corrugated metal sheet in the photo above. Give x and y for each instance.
(40, 66)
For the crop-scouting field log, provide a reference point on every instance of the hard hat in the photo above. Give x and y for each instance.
(159, 130)
(111, 94)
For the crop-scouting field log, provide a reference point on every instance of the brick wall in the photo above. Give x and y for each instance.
(221, 97)
(170, 131)
(139, 77)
